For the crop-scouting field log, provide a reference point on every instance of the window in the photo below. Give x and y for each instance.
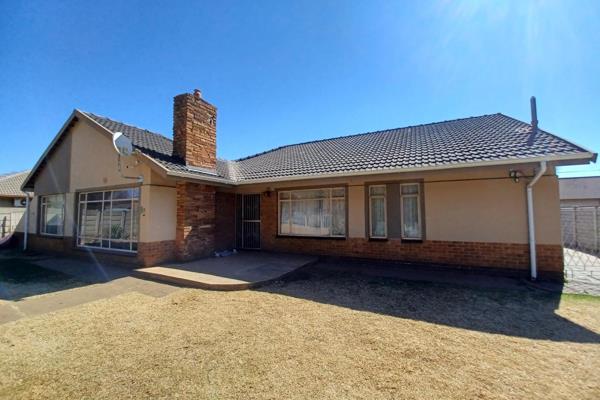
(52, 215)
(109, 219)
(377, 212)
(410, 210)
(315, 212)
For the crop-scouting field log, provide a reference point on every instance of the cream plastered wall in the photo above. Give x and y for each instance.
(157, 223)
(492, 210)
(94, 161)
(466, 204)
(54, 177)
(356, 218)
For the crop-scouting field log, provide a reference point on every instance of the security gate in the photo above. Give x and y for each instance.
(248, 221)
(580, 227)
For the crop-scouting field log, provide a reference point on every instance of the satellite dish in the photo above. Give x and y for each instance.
(122, 144)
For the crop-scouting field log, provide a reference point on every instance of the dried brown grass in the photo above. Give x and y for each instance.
(320, 338)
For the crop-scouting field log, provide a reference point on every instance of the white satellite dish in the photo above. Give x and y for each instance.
(122, 144)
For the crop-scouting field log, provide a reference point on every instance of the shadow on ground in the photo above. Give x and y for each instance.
(20, 279)
(520, 312)
(24, 275)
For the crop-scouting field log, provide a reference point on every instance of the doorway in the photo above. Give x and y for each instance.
(247, 209)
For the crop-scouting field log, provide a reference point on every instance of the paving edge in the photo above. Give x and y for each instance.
(217, 287)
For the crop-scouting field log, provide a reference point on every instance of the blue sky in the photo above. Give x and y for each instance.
(285, 72)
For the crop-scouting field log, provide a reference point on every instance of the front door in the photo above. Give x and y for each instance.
(248, 221)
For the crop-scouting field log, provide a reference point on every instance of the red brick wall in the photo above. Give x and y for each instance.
(195, 130)
(225, 221)
(50, 244)
(65, 246)
(154, 253)
(511, 257)
(195, 229)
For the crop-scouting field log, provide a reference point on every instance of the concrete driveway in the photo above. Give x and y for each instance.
(582, 272)
(83, 283)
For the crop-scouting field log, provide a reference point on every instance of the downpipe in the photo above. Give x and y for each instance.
(26, 227)
(531, 220)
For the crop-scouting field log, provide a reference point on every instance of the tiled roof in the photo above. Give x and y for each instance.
(160, 149)
(10, 184)
(494, 137)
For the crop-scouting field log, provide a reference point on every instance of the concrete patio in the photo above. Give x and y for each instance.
(243, 270)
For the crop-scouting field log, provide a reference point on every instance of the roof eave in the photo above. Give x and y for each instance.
(203, 178)
(587, 157)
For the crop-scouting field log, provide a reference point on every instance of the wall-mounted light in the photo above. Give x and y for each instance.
(514, 175)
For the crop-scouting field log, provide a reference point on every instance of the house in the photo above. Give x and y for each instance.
(12, 203)
(451, 193)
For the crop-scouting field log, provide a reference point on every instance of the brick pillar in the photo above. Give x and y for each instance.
(195, 130)
(195, 230)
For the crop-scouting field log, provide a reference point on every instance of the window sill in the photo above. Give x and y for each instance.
(411, 240)
(125, 253)
(51, 236)
(376, 239)
(310, 237)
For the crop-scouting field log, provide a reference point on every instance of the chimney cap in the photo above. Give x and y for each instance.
(197, 93)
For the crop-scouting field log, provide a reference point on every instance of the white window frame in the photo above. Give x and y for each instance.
(331, 198)
(44, 213)
(83, 203)
(418, 197)
(378, 196)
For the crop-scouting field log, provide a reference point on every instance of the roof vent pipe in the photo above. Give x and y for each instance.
(534, 120)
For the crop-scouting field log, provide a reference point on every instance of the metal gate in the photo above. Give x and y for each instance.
(580, 228)
(248, 221)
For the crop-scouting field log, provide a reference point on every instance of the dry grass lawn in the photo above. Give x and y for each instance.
(320, 338)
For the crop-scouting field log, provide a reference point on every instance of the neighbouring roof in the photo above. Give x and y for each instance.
(448, 144)
(10, 184)
(579, 188)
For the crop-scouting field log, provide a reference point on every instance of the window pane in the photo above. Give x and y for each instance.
(90, 220)
(95, 196)
(120, 220)
(311, 194)
(111, 223)
(135, 214)
(125, 194)
(120, 245)
(377, 190)
(53, 214)
(284, 217)
(410, 189)
(92, 242)
(338, 217)
(411, 227)
(313, 213)
(378, 217)
(338, 192)
(284, 195)
(105, 219)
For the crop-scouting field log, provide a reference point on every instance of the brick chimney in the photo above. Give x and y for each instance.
(195, 130)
